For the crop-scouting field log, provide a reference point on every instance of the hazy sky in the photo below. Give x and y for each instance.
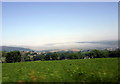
(33, 23)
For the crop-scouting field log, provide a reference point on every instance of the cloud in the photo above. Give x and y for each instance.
(101, 42)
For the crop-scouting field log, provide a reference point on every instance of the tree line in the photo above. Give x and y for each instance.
(16, 56)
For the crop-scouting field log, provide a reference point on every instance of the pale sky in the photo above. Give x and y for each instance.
(40, 23)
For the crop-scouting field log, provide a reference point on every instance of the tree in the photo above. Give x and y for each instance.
(54, 56)
(3, 53)
(115, 53)
(48, 56)
(61, 56)
(38, 57)
(104, 53)
(70, 55)
(96, 53)
(13, 56)
(80, 55)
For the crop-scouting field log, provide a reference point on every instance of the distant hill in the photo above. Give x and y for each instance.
(8, 49)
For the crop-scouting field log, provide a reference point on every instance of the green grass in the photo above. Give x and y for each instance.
(0, 72)
(80, 70)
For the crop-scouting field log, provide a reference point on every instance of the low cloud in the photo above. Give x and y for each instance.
(101, 42)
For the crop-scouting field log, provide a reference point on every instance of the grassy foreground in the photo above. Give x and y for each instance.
(81, 70)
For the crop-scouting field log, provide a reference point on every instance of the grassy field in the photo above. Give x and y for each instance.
(81, 70)
(0, 72)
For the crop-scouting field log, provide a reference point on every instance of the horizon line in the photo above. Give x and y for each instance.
(60, 43)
